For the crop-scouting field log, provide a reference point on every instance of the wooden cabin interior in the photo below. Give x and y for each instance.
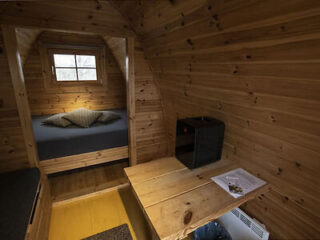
(118, 77)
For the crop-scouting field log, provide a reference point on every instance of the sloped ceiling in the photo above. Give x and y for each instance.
(118, 49)
(83, 16)
(26, 38)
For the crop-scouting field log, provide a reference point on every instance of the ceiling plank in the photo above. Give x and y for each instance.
(75, 16)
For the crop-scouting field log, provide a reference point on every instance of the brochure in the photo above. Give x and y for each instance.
(238, 182)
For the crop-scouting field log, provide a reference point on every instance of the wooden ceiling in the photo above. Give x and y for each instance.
(83, 16)
(26, 37)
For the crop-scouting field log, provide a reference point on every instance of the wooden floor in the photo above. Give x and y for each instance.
(77, 183)
(85, 217)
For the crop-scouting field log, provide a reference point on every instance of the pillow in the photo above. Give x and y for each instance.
(108, 116)
(82, 117)
(57, 120)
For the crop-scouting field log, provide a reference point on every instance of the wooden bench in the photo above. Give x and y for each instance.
(25, 205)
(177, 200)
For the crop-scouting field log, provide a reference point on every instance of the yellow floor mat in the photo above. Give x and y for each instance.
(85, 217)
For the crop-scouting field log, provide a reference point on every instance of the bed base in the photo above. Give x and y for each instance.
(83, 160)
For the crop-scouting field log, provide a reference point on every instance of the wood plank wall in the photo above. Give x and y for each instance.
(13, 153)
(151, 133)
(255, 65)
(45, 100)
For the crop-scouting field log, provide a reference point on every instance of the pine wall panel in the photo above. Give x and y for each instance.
(151, 134)
(255, 65)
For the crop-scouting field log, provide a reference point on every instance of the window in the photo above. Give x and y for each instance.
(74, 67)
(66, 65)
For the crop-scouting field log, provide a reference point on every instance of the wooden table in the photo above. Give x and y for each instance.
(177, 200)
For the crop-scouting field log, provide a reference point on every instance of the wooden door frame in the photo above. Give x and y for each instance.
(18, 82)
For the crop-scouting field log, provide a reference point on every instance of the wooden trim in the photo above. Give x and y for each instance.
(17, 77)
(83, 160)
(131, 107)
(52, 45)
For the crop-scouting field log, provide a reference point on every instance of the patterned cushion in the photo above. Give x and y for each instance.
(107, 116)
(57, 120)
(82, 117)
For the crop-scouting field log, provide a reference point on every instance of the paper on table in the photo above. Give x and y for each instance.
(238, 178)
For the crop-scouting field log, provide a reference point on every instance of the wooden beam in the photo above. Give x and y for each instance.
(15, 66)
(131, 100)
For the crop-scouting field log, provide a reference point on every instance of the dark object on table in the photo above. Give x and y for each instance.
(235, 189)
(199, 141)
(211, 231)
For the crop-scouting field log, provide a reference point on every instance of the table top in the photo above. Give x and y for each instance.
(178, 200)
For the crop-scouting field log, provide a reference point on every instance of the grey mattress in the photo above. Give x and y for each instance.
(54, 142)
(18, 194)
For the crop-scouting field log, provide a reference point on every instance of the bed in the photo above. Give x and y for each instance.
(71, 143)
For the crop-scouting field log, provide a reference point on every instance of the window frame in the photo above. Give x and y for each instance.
(47, 50)
(74, 52)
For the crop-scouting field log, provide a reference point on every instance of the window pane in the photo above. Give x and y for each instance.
(87, 74)
(86, 61)
(64, 60)
(66, 74)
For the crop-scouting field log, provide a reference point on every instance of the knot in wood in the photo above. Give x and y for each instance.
(187, 217)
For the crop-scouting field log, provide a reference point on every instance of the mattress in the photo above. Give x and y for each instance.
(18, 193)
(55, 142)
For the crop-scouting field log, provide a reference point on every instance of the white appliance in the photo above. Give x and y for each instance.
(242, 227)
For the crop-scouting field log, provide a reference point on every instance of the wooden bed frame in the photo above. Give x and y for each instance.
(84, 159)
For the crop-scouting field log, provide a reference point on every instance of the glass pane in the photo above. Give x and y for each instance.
(87, 74)
(86, 61)
(66, 74)
(64, 60)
